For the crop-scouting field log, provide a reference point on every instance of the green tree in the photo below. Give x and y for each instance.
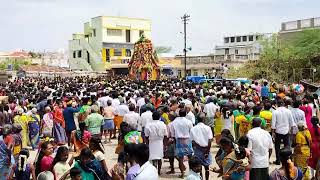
(283, 57)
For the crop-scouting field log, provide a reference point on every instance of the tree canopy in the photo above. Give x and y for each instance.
(285, 58)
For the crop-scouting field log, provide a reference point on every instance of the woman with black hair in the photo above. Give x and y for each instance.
(90, 167)
(60, 166)
(44, 160)
(22, 170)
(98, 151)
(287, 171)
(307, 109)
(228, 153)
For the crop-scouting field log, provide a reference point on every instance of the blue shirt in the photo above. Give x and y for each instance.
(69, 119)
(265, 91)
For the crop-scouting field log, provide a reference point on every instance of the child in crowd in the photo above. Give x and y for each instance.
(195, 169)
(237, 172)
(75, 174)
(80, 138)
(97, 149)
(45, 175)
(130, 157)
(22, 170)
(60, 164)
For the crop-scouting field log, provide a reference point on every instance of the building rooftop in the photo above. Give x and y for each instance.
(122, 17)
(42, 68)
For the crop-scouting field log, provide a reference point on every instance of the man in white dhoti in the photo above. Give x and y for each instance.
(156, 133)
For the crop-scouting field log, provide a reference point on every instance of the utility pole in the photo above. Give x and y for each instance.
(185, 18)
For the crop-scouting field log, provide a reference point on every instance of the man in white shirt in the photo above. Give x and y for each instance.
(210, 109)
(103, 100)
(115, 101)
(155, 132)
(282, 124)
(145, 118)
(140, 101)
(186, 101)
(132, 117)
(120, 111)
(190, 116)
(181, 132)
(260, 145)
(201, 136)
(147, 171)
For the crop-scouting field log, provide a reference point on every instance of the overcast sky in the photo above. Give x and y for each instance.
(49, 24)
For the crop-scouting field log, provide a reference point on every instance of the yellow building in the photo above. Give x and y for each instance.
(107, 43)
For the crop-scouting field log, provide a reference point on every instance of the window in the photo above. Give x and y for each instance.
(226, 40)
(226, 51)
(250, 38)
(108, 55)
(125, 61)
(239, 39)
(114, 32)
(244, 38)
(232, 39)
(128, 53)
(195, 73)
(117, 52)
(128, 36)
(94, 32)
(236, 51)
(79, 54)
(141, 32)
(74, 54)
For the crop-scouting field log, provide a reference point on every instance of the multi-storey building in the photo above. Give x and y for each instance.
(240, 48)
(107, 43)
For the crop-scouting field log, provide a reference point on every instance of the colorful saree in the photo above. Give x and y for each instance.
(22, 120)
(59, 132)
(5, 161)
(34, 129)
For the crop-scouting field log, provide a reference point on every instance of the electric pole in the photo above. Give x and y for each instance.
(185, 18)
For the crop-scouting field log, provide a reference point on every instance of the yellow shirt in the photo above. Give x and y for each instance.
(301, 140)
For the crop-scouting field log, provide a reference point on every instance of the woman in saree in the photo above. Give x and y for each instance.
(22, 120)
(302, 149)
(224, 160)
(59, 132)
(288, 170)
(47, 122)
(5, 160)
(34, 128)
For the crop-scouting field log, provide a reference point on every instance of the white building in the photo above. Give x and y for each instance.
(240, 48)
(107, 43)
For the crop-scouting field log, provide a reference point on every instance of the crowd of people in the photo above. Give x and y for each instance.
(71, 123)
